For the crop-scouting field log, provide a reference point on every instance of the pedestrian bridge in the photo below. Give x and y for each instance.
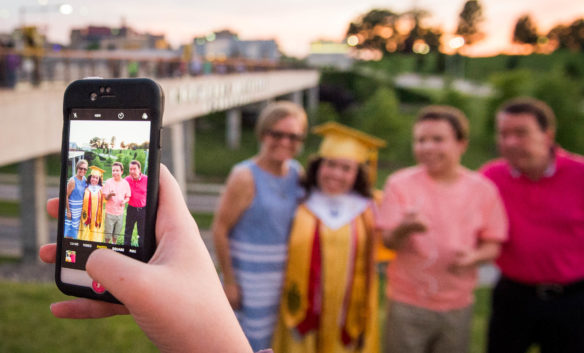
(32, 121)
(32, 118)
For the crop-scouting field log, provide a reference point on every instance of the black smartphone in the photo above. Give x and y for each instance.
(110, 160)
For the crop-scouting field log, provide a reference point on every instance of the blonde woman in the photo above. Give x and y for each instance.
(252, 223)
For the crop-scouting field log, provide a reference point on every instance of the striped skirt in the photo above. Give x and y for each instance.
(259, 271)
(72, 225)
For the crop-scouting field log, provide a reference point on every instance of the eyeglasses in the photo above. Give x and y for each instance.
(279, 135)
(82, 168)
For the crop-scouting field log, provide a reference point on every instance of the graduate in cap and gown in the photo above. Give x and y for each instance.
(329, 299)
(91, 224)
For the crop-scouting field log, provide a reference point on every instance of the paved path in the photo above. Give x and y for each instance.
(435, 82)
(202, 198)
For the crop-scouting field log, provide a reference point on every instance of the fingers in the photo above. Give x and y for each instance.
(48, 253)
(170, 197)
(418, 227)
(174, 219)
(53, 207)
(414, 227)
(121, 275)
(82, 308)
(233, 293)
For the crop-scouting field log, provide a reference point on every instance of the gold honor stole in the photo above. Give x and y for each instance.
(302, 296)
(87, 213)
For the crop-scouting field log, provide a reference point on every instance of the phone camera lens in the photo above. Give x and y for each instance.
(93, 96)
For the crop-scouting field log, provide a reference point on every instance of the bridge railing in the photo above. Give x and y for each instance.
(34, 66)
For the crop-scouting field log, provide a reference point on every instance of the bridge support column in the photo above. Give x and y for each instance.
(233, 129)
(33, 194)
(190, 133)
(296, 97)
(173, 153)
(313, 98)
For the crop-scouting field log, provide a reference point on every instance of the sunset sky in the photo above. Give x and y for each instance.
(293, 23)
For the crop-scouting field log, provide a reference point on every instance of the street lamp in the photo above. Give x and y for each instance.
(66, 9)
(455, 43)
(30, 39)
(44, 7)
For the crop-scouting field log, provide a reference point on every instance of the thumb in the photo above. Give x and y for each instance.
(53, 207)
(121, 275)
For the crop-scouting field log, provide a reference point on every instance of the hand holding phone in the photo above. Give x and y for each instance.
(176, 298)
(110, 126)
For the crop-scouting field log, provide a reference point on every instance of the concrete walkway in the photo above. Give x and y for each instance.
(434, 82)
(201, 198)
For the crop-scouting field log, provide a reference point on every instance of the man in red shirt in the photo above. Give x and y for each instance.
(539, 298)
(136, 211)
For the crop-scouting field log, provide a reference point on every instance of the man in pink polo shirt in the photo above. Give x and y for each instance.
(443, 220)
(540, 295)
(117, 193)
(136, 213)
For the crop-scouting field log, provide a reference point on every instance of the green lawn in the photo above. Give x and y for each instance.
(9, 209)
(204, 220)
(26, 325)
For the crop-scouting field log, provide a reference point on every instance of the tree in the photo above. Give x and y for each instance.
(469, 22)
(375, 30)
(568, 37)
(380, 116)
(323, 113)
(525, 31)
(95, 142)
(104, 146)
(385, 31)
(419, 32)
(563, 94)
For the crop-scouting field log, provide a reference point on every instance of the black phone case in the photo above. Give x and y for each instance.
(134, 93)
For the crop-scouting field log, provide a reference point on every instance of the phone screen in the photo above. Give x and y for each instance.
(107, 174)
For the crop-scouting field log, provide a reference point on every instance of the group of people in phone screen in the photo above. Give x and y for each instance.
(106, 211)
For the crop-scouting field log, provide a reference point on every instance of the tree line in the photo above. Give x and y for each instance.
(385, 32)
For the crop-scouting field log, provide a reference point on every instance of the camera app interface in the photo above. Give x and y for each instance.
(107, 178)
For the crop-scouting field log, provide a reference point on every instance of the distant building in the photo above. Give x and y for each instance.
(259, 50)
(329, 54)
(103, 37)
(227, 45)
(6, 40)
